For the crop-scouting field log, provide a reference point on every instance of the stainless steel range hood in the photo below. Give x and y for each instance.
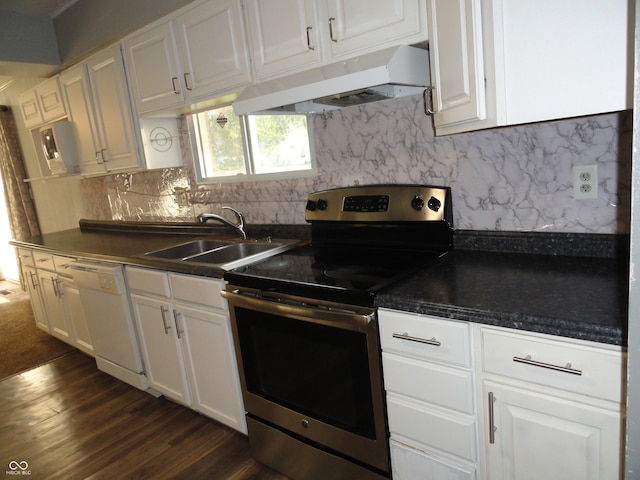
(393, 72)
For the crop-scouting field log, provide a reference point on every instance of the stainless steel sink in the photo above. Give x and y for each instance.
(222, 254)
(186, 250)
(233, 252)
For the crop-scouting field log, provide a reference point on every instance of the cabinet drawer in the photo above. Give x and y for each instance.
(454, 434)
(448, 340)
(44, 261)
(578, 368)
(148, 281)
(63, 265)
(436, 384)
(25, 256)
(200, 290)
(407, 463)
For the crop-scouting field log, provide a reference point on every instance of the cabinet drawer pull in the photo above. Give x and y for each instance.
(492, 426)
(163, 311)
(529, 361)
(406, 336)
(309, 46)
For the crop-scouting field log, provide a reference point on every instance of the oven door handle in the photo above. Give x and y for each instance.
(323, 311)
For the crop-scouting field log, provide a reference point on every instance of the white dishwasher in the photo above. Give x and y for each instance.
(105, 302)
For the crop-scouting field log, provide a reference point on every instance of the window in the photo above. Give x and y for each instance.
(251, 147)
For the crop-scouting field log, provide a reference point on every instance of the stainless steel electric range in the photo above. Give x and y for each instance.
(306, 333)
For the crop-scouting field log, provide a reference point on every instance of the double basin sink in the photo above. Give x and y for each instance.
(222, 254)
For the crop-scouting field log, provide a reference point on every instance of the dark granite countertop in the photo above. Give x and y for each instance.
(570, 296)
(561, 284)
(127, 242)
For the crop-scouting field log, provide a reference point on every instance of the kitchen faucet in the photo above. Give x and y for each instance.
(203, 217)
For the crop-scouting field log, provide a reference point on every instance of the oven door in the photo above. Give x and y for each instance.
(312, 369)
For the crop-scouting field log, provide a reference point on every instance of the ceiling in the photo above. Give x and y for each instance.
(49, 8)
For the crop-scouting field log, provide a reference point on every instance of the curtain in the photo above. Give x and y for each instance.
(23, 220)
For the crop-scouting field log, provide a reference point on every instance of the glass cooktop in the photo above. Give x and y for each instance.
(343, 275)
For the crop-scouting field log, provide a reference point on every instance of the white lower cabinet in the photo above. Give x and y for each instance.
(186, 342)
(161, 348)
(467, 401)
(428, 376)
(553, 408)
(32, 285)
(62, 311)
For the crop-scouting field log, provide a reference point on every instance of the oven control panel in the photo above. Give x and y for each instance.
(381, 203)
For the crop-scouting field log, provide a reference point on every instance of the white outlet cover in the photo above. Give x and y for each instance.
(585, 189)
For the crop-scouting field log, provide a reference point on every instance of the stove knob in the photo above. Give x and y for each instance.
(322, 204)
(417, 203)
(434, 204)
(311, 205)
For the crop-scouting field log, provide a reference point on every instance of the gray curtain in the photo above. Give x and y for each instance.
(23, 220)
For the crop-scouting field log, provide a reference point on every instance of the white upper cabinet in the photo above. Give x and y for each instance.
(283, 43)
(152, 65)
(312, 32)
(97, 102)
(540, 59)
(356, 25)
(42, 104)
(456, 60)
(198, 53)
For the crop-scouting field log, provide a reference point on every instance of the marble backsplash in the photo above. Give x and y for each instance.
(504, 179)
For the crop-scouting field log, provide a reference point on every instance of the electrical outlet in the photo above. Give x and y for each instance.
(352, 180)
(181, 196)
(585, 182)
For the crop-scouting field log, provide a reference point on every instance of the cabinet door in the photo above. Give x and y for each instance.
(34, 287)
(154, 73)
(162, 351)
(118, 148)
(212, 46)
(284, 43)
(360, 24)
(50, 99)
(52, 300)
(30, 109)
(539, 436)
(456, 58)
(214, 377)
(70, 296)
(77, 96)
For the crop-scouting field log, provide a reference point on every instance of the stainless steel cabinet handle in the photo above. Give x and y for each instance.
(492, 426)
(529, 361)
(98, 159)
(33, 282)
(163, 311)
(427, 100)
(55, 287)
(175, 319)
(174, 81)
(331, 22)
(187, 83)
(309, 46)
(406, 336)
(104, 157)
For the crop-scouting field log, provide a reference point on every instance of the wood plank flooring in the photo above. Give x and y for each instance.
(69, 420)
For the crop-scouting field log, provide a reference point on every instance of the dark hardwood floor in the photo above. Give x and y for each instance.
(69, 420)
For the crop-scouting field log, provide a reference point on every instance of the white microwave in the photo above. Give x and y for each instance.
(59, 146)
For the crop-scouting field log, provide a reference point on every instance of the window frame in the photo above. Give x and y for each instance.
(250, 176)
